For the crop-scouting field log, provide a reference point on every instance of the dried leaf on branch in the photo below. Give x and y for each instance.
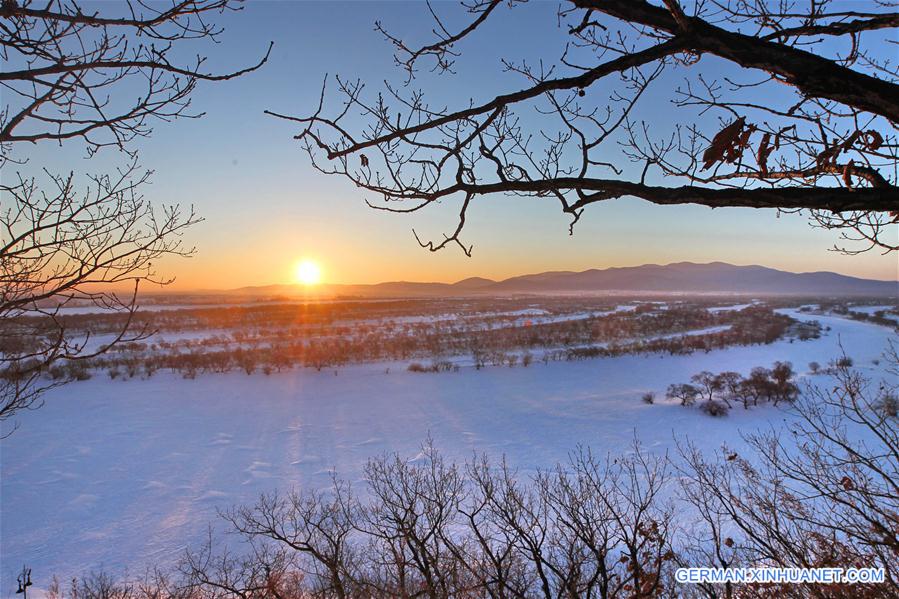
(728, 145)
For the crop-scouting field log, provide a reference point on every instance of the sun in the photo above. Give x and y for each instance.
(307, 272)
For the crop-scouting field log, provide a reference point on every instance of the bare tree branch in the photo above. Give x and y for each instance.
(825, 143)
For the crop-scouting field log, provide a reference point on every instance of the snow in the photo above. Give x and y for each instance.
(94, 309)
(691, 333)
(117, 475)
(621, 308)
(524, 312)
(730, 308)
(870, 310)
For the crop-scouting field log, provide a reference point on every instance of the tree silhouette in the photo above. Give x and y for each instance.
(823, 141)
(68, 70)
(100, 79)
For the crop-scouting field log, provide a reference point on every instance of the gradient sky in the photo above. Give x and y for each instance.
(265, 207)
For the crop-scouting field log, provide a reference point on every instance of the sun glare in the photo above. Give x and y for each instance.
(307, 272)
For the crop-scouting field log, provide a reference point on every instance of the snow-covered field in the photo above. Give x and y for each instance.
(120, 474)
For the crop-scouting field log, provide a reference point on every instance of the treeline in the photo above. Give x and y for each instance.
(647, 330)
(887, 316)
(298, 316)
(717, 393)
(751, 326)
(613, 527)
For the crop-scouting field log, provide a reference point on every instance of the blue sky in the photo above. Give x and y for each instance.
(265, 207)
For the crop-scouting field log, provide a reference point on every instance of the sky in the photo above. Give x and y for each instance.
(265, 208)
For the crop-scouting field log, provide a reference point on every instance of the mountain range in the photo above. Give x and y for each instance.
(682, 277)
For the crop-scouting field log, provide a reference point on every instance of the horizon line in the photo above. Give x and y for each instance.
(165, 289)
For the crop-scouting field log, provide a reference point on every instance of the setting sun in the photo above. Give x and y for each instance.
(307, 272)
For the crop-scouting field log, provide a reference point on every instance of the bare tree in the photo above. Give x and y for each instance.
(823, 495)
(409, 526)
(314, 525)
(97, 78)
(264, 571)
(429, 528)
(63, 246)
(98, 585)
(824, 141)
(68, 69)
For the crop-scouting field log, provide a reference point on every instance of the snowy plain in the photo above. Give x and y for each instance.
(119, 475)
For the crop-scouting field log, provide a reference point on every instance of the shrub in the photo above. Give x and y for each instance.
(57, 372)
(844, 362)
(131, 368)
(649, 397)
(713, 407)
(417, 367)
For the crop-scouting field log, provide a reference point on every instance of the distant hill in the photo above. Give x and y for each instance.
(716, 277)
(474, 283)
(682, 277)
